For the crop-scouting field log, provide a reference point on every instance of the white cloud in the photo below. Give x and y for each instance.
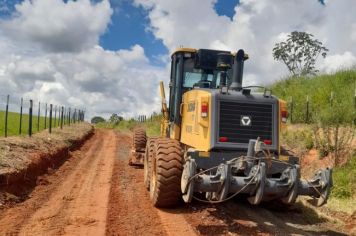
(336, 62)
(58, 26)
(40, 69)
(185, 23)
(256, 26)
(50, 53)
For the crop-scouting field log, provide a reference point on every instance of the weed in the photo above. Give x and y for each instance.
(345, 180)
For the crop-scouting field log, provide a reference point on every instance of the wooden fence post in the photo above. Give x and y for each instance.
(45, 124)
(6, 113)
(55, 116)
(50, 118)
(30, 119)
(38, 116)
(69, 117)
(62, 117)
(20, 128)
(59, 116)
(74, 115)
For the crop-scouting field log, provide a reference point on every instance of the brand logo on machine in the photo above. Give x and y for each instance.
(245, 121)
(191, 106)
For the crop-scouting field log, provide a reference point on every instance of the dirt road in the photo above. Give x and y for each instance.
(95, 192)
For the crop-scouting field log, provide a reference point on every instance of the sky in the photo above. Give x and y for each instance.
(109, 56)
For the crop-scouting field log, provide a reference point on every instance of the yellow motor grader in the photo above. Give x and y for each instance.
(219, 139)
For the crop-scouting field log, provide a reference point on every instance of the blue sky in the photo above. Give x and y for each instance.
(129, 25)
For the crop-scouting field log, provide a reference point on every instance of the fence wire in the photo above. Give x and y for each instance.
(19, 116)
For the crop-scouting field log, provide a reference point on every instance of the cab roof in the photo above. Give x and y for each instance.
(193, 50)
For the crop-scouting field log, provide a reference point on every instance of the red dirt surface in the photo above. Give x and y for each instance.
(71, 201)
(310, 163)
(22, 159)
(96, 192)
(130, 210)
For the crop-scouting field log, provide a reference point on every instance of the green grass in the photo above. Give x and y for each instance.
(343, 194)
(345, 180)
(14, 124)
(319, 89)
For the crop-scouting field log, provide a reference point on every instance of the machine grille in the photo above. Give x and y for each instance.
(257, 121)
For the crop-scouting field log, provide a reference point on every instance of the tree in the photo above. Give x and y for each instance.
(114, 118)
(97, 119)
(299, 53)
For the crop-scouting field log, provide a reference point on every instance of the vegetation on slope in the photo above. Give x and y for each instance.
(329, 96)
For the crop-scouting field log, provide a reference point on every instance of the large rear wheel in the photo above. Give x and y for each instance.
(139, 140)
(166, 173)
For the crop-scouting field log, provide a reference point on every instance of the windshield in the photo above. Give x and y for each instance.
(193, 77)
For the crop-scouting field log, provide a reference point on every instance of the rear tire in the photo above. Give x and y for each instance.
(166, 173)
(139, 140)
(149, 154)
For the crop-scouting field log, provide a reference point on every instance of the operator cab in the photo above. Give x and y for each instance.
(201, 78)
(191, 68)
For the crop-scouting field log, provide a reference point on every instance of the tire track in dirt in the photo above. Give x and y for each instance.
(76, 199)
(130, 209)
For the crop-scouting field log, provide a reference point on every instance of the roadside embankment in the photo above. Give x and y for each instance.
(24, 159)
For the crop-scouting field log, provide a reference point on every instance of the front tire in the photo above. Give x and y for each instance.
(166, 173)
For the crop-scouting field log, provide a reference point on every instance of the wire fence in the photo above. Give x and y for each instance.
(304, 109)
(19, 116)
(143, 118)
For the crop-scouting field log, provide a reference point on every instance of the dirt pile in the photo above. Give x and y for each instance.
(23, 159)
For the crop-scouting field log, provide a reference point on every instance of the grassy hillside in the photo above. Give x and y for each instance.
(327, 93)
(14, 123)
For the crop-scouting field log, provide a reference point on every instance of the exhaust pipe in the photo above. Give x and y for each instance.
(238, 70)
